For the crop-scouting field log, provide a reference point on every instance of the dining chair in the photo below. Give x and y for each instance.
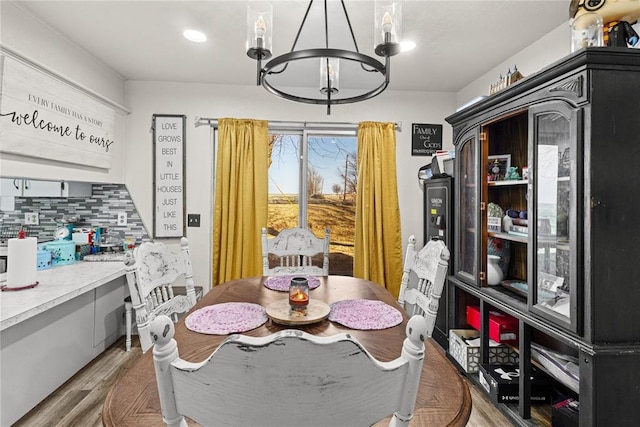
(294, 250)
(423, 279)
(153, 273)
(287, 378)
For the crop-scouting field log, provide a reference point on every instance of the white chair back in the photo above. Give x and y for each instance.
(294, 249)
(288, 378)
(152, 271)
(423, 278)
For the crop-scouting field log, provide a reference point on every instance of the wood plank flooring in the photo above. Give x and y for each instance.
(79, 401)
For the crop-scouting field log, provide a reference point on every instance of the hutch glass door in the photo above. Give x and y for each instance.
(553, 258)
(466, 247)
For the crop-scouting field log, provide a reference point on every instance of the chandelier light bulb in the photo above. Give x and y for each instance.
(260, 27)
(329, 75)
(387, 23)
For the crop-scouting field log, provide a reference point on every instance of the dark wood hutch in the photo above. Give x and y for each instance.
(576, 126)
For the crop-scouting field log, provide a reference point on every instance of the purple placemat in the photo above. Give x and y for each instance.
(226, 318)
(364, 314)
(281, 283)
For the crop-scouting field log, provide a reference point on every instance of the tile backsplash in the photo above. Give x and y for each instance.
(98, 210)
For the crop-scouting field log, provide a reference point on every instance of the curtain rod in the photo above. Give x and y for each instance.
(202, 121)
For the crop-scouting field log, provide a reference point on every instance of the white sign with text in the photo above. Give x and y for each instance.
(169, 176)
(42, 116)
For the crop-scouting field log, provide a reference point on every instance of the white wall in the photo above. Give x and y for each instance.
(543, 53)
(218, 101)
(26, 36)
(530, 60)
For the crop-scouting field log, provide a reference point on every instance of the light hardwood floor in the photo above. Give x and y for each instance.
(78, 402)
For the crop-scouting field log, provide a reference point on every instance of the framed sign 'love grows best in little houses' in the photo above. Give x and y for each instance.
(168, 175)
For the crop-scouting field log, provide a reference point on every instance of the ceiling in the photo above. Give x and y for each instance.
(142, 40)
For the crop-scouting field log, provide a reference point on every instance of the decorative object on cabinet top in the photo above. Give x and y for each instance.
(507, 80)
(616, 18)
(586, 31)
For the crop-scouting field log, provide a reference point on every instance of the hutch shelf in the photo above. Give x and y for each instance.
(575, 127)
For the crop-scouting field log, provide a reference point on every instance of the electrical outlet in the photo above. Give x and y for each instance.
(122, 218)
(31, 218)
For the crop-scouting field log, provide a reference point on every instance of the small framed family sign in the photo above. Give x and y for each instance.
(426, 139)
(168, 175)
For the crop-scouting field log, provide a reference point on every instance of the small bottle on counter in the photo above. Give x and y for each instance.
(128, 243)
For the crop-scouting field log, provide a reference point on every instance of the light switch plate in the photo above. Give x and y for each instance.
(193, 220)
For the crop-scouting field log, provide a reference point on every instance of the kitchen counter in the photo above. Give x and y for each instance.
(48, 333)
(56, 286)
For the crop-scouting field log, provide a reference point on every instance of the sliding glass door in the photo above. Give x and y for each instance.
(312, 184)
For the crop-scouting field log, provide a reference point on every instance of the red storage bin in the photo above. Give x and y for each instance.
(502, 327)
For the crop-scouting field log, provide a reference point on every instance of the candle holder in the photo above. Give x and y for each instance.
(299, 294)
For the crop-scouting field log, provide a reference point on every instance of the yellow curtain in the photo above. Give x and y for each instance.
(378, 246)
(241, 197)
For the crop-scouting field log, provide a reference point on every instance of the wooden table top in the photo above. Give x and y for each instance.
(443, 396)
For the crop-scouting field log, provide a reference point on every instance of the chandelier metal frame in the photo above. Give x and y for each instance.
(367, 63)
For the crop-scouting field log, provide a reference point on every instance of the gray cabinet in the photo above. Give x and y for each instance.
(42, 350)
(76, 189)
(37, 188)
(26, 187)
(10, 187)
(574, 126)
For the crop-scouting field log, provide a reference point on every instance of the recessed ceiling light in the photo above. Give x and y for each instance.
(194, 36)
(407, 45)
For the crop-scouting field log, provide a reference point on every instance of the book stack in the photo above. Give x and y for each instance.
(520, 227)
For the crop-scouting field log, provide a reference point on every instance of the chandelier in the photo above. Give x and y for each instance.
(285, 75)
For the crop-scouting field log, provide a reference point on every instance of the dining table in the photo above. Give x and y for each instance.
(443, 395)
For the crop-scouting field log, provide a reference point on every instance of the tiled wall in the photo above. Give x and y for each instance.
(99, 210)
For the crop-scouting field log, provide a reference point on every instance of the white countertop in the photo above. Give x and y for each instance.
(56, 285)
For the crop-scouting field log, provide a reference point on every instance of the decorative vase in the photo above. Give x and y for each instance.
(501, 248)
(507, 222)
(494, 272)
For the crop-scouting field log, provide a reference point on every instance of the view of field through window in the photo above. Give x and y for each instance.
(329, 199)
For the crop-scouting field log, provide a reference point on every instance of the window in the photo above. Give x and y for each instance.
(312, 183)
